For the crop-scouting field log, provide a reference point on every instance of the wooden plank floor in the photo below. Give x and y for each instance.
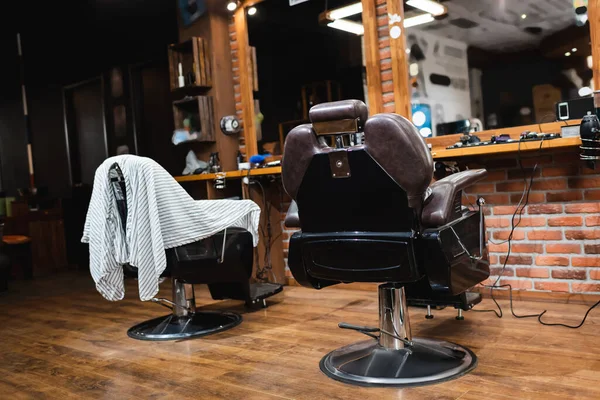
(60, 339)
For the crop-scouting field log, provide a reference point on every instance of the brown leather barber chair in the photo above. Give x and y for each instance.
(369, 213)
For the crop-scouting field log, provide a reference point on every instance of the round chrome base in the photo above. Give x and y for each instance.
(197, 324)
(428, 361)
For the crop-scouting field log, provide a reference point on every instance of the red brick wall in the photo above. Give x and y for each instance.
(556, 246)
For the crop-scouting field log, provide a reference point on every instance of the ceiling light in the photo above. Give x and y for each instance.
(348, 26)
(418, 20)
(345, 11)
(232, 5)
(432, 7)
(567, 54)
(523, 16)
(252, 11)
(574, 49)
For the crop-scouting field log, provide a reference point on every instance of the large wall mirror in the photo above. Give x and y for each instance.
(495, 63)
(301, 59)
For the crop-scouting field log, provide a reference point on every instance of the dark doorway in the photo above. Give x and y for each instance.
(86, 130)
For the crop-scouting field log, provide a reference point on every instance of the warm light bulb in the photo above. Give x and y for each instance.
(252, 11)
(232, 5)
(567, 54)
(574, 49)
(523, 16)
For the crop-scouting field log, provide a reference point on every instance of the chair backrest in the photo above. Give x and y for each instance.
(377, 186)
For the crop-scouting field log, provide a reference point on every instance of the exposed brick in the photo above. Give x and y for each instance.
(569, 274)
(571, 157)
(569, 170)
(384, 43)
(527, 248)
(592, 248)
(523, 174)
(517, 284)
(497, 222)
(545, 209)
(535, 197)
(500, 163)
(552, 286)
(498, 248)
(503, 235)
(530, 221)
(496, 199)
(592, 220)
(385, 65)
(556, 261)
(482, 188)
(584, 182)
(539, 160)
(510, 186)
(385, 53)
(504, 210)
(585, 262)
(592, 194)
(565, 221)
(544, 235)
(495, 271)
(563, 197)
(563, 248)
(387, 87)
(493, 259)
(389, 108)
(517, 260)
(285, 245)
(386, 76)
(388, 97)
(582, 208)
(498, 175)
(533, 272)
(585, 287)
(382, 20)
(549, 184)
(582, 235)
(595, 274)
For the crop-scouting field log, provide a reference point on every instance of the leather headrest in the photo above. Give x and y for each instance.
(346, 116)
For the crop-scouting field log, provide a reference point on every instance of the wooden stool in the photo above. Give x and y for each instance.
(18, 248)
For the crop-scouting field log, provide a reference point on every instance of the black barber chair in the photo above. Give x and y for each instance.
(223, 261)
(369, 213)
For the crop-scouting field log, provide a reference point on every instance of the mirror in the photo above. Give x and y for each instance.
(487, 64)
(301, 60)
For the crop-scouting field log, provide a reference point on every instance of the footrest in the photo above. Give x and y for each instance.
(262, 290)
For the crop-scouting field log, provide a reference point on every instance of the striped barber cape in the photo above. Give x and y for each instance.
(160, 215)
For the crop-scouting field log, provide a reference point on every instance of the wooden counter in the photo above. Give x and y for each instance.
(230, 174)
(443, 154)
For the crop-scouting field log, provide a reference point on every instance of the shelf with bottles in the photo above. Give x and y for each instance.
(189, 64)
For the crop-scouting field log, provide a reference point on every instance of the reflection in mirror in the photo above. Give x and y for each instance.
(486, 64)
(303, 55)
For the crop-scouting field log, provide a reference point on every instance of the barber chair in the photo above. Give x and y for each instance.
(223, 261)
(369, 213)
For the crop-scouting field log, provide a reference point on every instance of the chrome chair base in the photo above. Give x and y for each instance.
(427, 361)
(172, 327)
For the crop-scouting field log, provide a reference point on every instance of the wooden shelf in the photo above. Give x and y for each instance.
(194, 56)
(505, 148)
(200, 110)
(230, 174)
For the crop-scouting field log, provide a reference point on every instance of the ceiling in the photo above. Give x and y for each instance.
(498, 24)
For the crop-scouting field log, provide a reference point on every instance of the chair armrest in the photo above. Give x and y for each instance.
(442, 205)
(292, 218)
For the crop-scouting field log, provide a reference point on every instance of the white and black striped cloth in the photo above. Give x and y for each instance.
(160, 215)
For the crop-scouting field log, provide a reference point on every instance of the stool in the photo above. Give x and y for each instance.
(18, 248)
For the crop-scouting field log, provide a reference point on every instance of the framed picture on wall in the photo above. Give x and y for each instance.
(191, 10)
